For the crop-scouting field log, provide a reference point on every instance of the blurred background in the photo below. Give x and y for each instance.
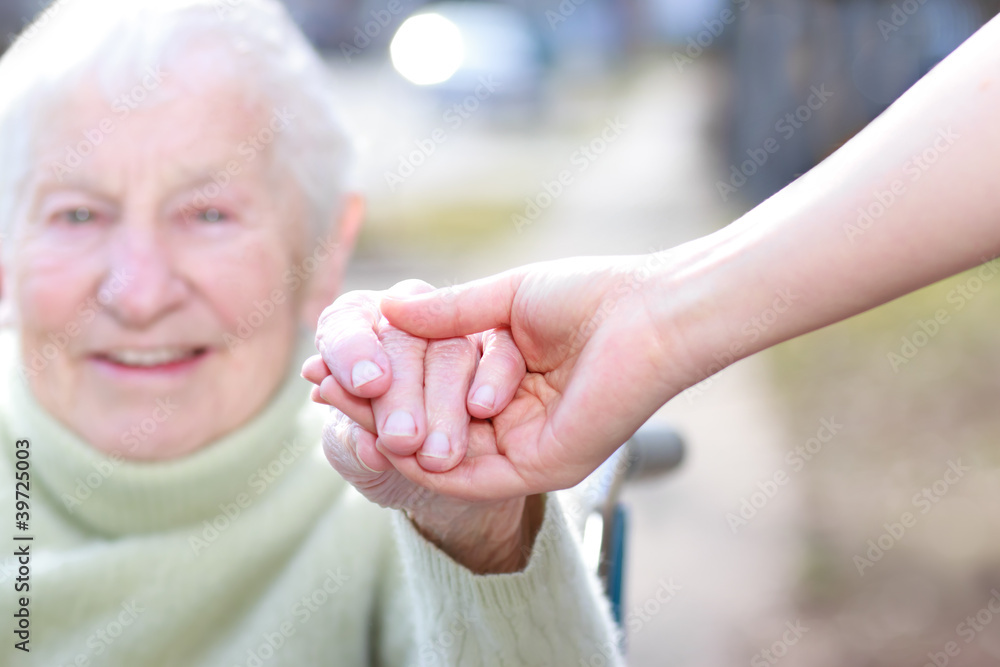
(491, 134)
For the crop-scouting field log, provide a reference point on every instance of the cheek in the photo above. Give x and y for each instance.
(51, 292)
(250, 288)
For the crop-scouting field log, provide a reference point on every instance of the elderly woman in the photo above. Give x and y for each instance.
(175, 218)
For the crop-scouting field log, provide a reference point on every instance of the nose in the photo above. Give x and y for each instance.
(141, 285)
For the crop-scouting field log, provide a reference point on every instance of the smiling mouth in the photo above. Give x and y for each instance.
(153, 358)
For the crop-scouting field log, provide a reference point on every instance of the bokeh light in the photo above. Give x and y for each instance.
(427, 49)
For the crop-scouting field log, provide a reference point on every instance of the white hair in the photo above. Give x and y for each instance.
(120, 41)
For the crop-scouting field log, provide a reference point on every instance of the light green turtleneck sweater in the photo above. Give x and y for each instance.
(253, 552)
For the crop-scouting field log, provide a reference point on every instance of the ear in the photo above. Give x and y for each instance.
(337, 246)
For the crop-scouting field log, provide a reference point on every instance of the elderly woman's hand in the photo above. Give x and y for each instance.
(422, 393)
(416, 396)
(485, 537)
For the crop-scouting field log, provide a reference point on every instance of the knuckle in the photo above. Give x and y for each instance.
(452, 352)
(462, 347)
(398, 343)
(336, 446)
(337, 429)
(364, 300)
(500, 348)
(504, 363)
(340, 445)
(500, 338)
(412, 286)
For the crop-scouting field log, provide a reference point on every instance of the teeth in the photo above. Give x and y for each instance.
(144, 358)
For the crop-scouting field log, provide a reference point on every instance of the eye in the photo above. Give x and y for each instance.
(211, 215)
(81, 214)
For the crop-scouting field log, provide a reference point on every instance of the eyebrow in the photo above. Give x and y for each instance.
(201, 180)
(193, 179)
(49, 186)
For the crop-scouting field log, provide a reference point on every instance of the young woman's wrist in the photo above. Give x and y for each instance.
(712, 311)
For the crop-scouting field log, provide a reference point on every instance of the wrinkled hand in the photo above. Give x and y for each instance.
(602, 357)
(397, 396)
(486, 537)
(417, 396)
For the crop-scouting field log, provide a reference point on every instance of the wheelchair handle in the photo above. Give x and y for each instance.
(653, 450)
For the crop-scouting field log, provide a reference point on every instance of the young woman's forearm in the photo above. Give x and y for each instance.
(910, 200)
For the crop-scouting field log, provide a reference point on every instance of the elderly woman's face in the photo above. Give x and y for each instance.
(122, 267)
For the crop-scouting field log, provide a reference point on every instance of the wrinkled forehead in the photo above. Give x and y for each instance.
(177, 119)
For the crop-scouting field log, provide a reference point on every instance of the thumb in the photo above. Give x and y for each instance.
(456, 311)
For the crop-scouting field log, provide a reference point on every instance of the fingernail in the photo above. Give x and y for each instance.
(485, 396)
(364, 372)
(400, 422)
(436, 446)
(366, 467)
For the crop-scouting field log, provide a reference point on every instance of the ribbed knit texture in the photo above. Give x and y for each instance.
(253, 552)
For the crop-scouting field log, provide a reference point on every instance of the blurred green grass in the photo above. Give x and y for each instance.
(901, 427)
(950, 388)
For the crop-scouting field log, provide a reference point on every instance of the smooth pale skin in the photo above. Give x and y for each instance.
(181, 273)
(608, 341)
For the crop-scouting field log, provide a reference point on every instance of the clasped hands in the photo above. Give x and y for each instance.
(407, 407)
(497, 390)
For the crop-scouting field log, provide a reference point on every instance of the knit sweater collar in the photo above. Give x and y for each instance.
(111, 496)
